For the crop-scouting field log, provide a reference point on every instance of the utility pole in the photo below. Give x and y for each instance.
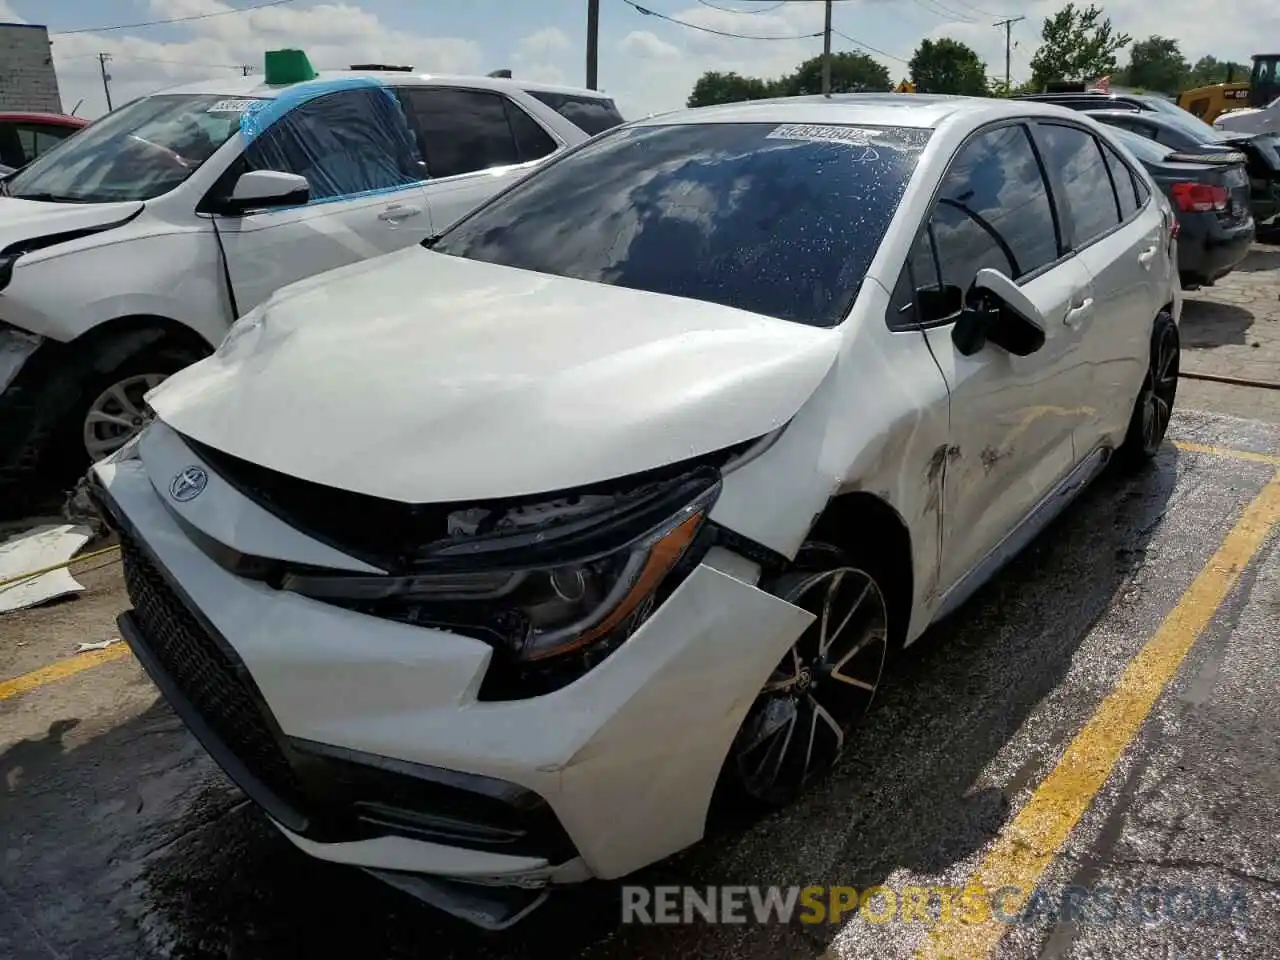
(1008, 23)
(826, 53)
(593, 44)
(106, 77)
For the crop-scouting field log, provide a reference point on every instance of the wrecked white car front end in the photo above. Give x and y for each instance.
(461, 618)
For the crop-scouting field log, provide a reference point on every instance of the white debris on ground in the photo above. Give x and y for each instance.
(100, 645)
(38, 549)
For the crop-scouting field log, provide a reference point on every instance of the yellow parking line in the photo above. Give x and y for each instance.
(61, 670)
(1028, 845)
(1228, 453)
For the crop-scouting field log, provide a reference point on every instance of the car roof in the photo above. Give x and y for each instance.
(925, 111)
(27, 116)
(1153, 116)
(256, 86)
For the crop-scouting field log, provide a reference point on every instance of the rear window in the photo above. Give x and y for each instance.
(592, 115)
(1147, 151)
(778, 219)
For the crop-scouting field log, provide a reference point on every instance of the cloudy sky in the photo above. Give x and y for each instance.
(648, 63)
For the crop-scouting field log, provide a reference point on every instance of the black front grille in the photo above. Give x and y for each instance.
(207, 676)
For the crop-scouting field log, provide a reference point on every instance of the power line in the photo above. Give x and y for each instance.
(719, 33)
(180, 63)
(867, 46)
(747, 13)
(977, 10)
(156, 23)
(955, 15)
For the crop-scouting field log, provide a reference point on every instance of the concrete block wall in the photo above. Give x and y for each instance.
(27, 78)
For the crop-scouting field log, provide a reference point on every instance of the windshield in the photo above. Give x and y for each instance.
(138, 152)
(778, 219)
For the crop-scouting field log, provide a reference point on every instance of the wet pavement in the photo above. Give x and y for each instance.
(120, 839)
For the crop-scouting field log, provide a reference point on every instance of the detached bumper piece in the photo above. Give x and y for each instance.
(323, 793)
(491, 908)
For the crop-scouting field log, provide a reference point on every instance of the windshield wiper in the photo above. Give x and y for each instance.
(47, 198)
(432, 240)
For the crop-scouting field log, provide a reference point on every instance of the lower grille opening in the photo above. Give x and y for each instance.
(207, 677)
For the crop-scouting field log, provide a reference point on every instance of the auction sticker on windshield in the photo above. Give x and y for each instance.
(231, 106)
(817, 131)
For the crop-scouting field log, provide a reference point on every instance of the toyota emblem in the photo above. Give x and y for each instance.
(188, 484)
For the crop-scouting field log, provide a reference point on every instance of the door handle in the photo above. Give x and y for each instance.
(1077, 314)
(397, 212)
(1149, 254)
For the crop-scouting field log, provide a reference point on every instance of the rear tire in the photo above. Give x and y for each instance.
(43, 431)
(1153, 409)
(801, 720)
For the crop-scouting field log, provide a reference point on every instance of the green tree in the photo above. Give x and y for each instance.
(1156, 63)
(715, 87)
(1079, 45)
(850, 73)
(1209, 70)
(948, 66)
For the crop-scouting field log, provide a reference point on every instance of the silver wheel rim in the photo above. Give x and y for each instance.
(800, 723)
(117, 414)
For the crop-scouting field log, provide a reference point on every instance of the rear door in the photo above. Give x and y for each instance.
(366, 176)
(1013, 419)
(475, 142)
(1121, 245)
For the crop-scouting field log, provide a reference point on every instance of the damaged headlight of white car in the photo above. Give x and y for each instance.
(541, 580)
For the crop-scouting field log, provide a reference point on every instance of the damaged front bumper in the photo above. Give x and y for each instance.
(16, 348)
(365, 741)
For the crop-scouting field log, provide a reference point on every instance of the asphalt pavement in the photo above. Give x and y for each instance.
(120, 839)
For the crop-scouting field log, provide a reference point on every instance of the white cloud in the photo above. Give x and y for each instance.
(8, 14)
(542, 56)
(334, 36)
(644, 45)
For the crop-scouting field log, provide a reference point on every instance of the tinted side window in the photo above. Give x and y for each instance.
(993, 210)
(532, 142)
(344, 143)
(462, 130)
(919, 272)
(1075, 156)
(591, 115)
(1123, 181)
(1140, 190)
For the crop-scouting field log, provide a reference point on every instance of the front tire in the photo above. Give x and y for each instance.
(1153, 409)
(801, 720)
(85, 398)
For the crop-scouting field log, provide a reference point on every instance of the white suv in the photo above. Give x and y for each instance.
(128, 250)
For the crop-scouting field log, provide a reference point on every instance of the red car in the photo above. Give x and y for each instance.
(24, 136)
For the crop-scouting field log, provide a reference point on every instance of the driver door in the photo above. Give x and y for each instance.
(360, 159)
(1013, 419)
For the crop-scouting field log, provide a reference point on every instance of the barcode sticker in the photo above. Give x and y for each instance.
(817, 131)
(230, 106)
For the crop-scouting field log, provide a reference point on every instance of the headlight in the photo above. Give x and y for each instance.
(541, 588)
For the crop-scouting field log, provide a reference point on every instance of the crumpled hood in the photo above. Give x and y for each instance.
(31, 219)
(421, 377)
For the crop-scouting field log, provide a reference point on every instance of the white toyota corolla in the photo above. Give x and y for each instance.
(484, 564)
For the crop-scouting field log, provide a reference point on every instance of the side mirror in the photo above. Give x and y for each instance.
(997, 311)
(259, 189)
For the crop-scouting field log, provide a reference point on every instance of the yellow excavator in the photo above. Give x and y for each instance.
(1212, 101)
